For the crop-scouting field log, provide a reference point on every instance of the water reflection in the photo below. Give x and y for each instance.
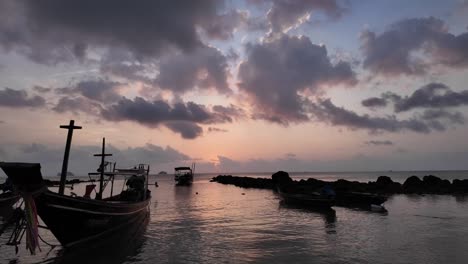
(328, 215)
(125, 245)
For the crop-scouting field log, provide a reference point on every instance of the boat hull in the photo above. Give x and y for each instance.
(355, 199)
(7, 200)
(74, 220)
(306, 200)
(184, 180)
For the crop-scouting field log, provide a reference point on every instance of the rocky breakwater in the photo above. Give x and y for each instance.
(429, 184)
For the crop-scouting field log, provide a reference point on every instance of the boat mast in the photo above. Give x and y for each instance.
(103, 155)
(63, 176)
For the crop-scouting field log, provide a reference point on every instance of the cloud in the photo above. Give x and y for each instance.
(285, 14)
(76, 105)
(187, 129)
(432, 114)
(20, 98)
(41, 89)
(276, 73)
(215, 129)
(82, 160)
(223, 26)
(374, 102)
(395, 51)
(379, 143)
(326, 111)
(182, 118)
(61, 30)
(432, 95)
(98, 90)
(204, 68)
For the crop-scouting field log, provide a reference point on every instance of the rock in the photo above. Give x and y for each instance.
(413, 185)
(281, 178)
(384, 180)
(385, 184)
(460, 186)
(436, 185)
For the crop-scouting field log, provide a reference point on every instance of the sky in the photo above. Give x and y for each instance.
(236, 86)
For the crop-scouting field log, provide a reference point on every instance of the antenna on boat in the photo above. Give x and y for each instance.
(63, 175)
(103, 156)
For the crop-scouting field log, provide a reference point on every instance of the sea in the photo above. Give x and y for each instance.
(214, 223)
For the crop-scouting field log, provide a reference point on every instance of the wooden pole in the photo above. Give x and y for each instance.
(63, 175)
(101, 179)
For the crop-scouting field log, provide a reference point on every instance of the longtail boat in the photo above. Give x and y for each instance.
(73, 219)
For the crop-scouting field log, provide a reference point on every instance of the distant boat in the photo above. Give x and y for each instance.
(184, 175)
(162, 173)
(69, 173)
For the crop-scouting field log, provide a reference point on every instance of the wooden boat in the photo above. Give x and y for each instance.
(311, 199)
(72, 219)
(184, 175)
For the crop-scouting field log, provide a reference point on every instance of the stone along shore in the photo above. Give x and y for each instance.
(429, 184)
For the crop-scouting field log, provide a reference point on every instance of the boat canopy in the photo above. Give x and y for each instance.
(182, 168)
(23, 174)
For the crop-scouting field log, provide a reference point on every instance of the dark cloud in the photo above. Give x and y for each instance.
(97, 90)
(285, 14)
(326, 111)
(455, 118)
(228, 113)
(374, 102)
(204, 68)
(153, 113)
(215, 129)
(432, 95)
(20, 98)
(56, 30)
(41, 89)
(186, 129)
(223, 26)
(379, 143)
(182, 118)
(76, 105)
(276, 72)
(392, 52)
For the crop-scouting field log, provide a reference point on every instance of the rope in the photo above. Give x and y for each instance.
(32, 233)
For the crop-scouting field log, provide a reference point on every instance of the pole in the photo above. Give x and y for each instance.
(63, 175)
(101, 179)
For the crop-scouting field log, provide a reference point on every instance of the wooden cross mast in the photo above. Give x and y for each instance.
(63, 176)
(103, 155)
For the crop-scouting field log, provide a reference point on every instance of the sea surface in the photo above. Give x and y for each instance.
(214, 223)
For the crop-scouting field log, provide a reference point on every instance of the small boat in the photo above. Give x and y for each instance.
(184, 175)
(314, 200)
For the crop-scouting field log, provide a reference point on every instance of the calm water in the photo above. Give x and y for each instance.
(226, 224)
